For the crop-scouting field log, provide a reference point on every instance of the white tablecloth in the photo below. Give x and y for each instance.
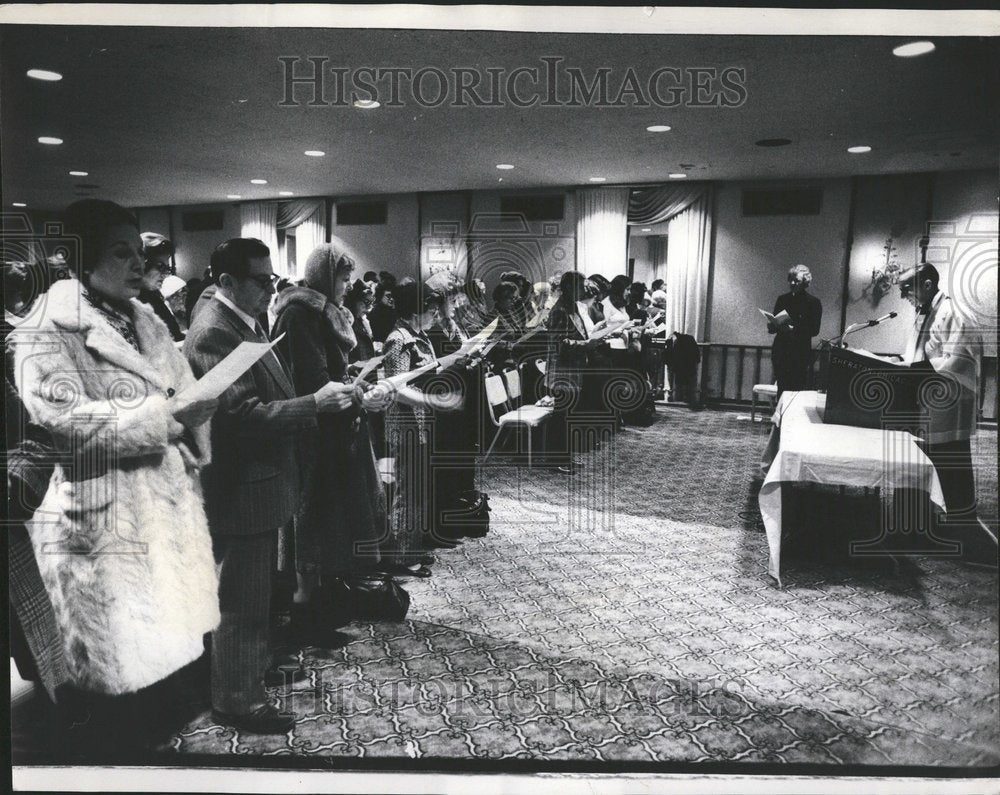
(805, 450)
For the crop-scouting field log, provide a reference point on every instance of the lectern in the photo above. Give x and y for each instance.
(870, 393)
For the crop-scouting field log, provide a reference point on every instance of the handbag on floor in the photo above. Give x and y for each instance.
(469, 515)
(373, 598)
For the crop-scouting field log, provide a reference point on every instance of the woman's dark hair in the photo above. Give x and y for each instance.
(571, 287)
(359, 291)
(88, 221)
(386, 279)
(637, 289)
(411, 299)
(618, 286)
(656, 285)
(519, 280)
(233, 256)
(505, 289)
(370, 276)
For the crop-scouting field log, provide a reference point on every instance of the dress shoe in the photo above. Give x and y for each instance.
(284, 675)
(399, 570)
(263, 720)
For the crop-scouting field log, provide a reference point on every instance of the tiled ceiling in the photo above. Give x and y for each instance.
(180, 116)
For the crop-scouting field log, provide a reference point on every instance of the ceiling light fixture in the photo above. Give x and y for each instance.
(647, 229)
(46, 139)
(598, 179)
(258, 182)
(79, 174)
(913, 49)
(859, 150)
(658, 128)
(285, 193)
(233, 196)
(44, 74)
(367, 104)
(18, 204)
(678, 176)
(314, 153)
(504, 166)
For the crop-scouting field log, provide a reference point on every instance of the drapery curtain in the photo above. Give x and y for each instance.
(263, 220)
(602, 231)
(308, 219)
(260, 220)
(662, 202)
(689, 236)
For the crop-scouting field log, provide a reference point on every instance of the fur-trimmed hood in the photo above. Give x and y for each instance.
(338, 319)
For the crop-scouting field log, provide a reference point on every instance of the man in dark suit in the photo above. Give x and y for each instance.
(252, 485)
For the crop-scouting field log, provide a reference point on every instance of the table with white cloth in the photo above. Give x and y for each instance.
(802, 449)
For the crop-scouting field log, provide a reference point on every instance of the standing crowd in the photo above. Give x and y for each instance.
(157, 537)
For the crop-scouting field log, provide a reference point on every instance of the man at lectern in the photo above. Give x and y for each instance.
(944, 340)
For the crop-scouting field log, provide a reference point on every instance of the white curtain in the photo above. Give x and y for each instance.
(689, 239)
(309, 221)
(260, 220)
(602, 231)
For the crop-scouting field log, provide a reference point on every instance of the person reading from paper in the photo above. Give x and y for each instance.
(253, 485)
(943, 340)
(796, 320)
(342, 511)
(409, 432)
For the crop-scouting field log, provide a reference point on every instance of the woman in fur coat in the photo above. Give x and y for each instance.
(120, 537)
(342, 514)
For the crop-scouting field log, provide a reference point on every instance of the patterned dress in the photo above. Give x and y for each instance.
(408, 435)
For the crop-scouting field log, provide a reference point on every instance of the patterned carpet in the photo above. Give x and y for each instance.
(623, 616)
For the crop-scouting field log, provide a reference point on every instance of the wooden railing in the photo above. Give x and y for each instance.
(728, 373)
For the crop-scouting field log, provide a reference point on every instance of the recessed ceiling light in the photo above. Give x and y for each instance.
(44, 74)
(314, 153)
(45, 139)
(18, 204)
(658, 128)
(598, 179)
(79, 174)
(285, 193)
(773, 142)
(367, 104)
(647, 229)
(233, 196)
(858, 150)
(258, 182)
(913, 48)
(504, 166)
(678, 176)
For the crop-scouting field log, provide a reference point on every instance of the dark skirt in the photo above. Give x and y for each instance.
(342, 515)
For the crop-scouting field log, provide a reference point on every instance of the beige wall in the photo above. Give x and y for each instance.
(391, 246)
(753, 255)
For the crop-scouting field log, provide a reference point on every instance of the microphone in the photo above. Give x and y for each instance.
(878, 320)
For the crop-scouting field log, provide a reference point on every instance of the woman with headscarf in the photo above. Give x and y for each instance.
(342, 513)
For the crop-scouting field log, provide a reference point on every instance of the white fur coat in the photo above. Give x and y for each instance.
(121, 537)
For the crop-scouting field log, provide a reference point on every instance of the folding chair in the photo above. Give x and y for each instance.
(526, 416)
(768, 390)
